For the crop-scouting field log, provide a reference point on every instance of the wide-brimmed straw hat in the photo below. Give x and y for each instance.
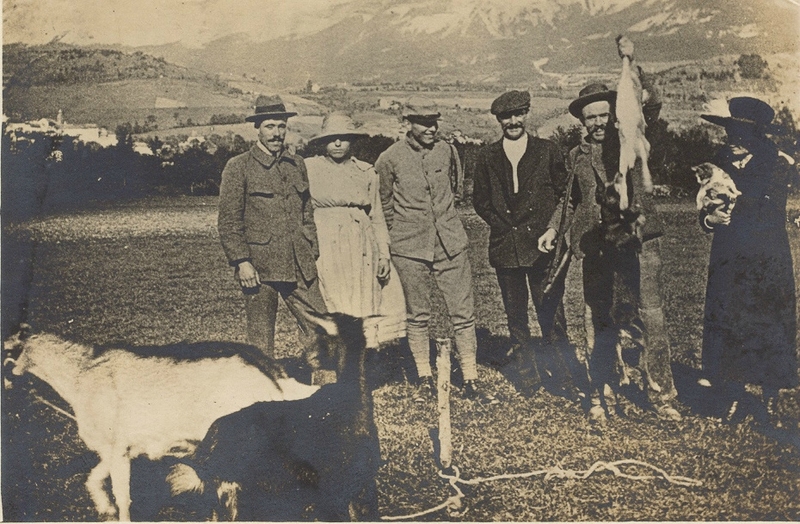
(744, 110)
(269, 107)
(338, 124)
(591, 93)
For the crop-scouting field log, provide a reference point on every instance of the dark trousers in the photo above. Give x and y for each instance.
(514, 285)
(304, 302)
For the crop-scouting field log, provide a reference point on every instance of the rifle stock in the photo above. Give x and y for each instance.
(562, 255)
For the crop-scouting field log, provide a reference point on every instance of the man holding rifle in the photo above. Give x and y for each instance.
(618, 253)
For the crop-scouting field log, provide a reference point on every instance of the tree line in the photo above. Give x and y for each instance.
(45, 173)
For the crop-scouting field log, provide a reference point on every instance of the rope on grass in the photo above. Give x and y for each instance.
(454, 501)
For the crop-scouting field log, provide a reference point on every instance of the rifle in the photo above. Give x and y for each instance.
(563, 252)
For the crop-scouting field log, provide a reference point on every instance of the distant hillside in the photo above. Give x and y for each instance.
(59, 64)
(108, 87)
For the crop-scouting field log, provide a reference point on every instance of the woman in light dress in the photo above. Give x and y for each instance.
(355, 272)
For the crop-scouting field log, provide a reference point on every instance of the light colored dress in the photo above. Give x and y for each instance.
(352, 236)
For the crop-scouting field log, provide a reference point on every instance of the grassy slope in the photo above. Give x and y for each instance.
(112, 103)
(155, 274)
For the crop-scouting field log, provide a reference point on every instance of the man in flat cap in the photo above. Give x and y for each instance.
(518, 183)
(620, 270)
(267, 231)
(419, 177)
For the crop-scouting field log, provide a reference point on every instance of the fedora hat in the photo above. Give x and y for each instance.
(591, 93)
(338, 124)
(745, 110)
(267, 107)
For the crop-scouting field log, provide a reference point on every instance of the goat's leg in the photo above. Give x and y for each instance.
(364, 506)
(121, 486)
(94, 484)
(228, 497)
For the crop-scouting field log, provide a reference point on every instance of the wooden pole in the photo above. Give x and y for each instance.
(443, 348)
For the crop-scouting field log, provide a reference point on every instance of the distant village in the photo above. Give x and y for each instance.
(91, 134)
(102, 137)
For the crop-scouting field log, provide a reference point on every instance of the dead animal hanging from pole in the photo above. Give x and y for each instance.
(443, 349)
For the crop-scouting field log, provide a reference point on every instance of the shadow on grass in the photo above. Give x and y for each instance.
(17, 274)
(537, 365)
(714, 402)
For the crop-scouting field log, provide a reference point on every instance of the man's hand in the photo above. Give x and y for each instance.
(718, 216)
(383, 269)
(625, 47)
(248, 276)
(546, 241)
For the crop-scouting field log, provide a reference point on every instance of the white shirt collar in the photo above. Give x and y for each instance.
(515, 147)
(514, 150)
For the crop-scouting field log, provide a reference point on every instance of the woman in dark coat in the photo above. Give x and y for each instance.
(750, 324)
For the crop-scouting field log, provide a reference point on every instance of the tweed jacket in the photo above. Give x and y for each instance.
(417, 194)
(591, 178)
(517, 221)
(265, 215)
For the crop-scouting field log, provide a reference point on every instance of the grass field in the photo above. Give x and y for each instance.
(154, 273)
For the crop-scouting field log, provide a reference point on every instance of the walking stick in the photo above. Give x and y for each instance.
(562, 254)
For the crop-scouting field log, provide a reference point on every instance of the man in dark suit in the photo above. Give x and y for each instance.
(518, 183)
(267, 230)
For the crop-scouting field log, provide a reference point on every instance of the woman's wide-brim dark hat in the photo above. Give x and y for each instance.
(269, 107)
(747, 110)
(591, 93)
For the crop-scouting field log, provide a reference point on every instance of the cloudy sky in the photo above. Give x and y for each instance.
(153, 22)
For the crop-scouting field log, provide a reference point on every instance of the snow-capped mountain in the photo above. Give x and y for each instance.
(287, 43)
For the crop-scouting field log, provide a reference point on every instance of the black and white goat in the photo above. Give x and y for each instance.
(128, 405)
(309, 459)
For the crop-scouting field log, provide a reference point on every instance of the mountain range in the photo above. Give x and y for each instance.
(286, 43)
(490, 41)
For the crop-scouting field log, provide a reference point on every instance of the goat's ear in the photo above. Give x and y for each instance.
(24, 331)
(326, 323)
(13, 344)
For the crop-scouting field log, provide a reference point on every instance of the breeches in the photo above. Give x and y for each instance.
(453, 276)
